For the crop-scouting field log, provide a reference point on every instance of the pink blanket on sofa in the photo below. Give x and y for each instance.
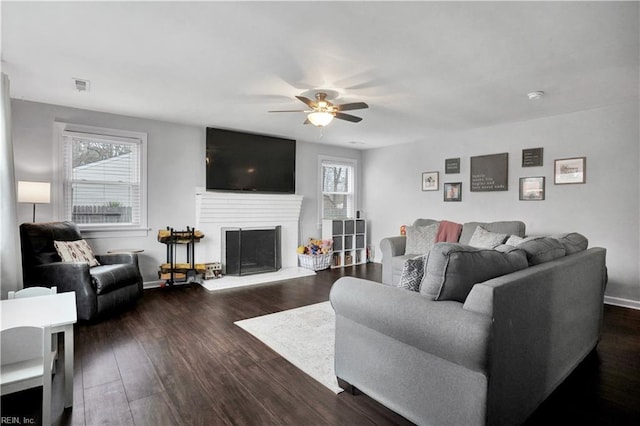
(448, 232)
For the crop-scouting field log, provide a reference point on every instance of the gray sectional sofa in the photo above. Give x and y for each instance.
(465, 350)
(393, 248)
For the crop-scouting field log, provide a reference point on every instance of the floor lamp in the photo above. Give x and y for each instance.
(34, 192)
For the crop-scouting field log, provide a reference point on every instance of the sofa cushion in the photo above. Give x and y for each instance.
(541, 249)
(572, 242)
(107, 278)
(513, 227)
(412, 273)
(453, 269)
(482, 238)
(75, 251)
(420, 238)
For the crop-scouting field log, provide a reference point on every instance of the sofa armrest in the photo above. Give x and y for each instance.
(117, 258)
(442, 329)
(546, 319)
(70, 276)
(391, 247)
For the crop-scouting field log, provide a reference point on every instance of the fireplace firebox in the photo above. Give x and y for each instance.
(248, 251)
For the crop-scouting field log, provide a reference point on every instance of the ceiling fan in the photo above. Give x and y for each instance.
(323, 111)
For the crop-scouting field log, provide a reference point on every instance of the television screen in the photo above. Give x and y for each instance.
(238, 161)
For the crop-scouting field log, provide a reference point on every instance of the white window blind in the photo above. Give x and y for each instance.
(338, 196)
(103, 180)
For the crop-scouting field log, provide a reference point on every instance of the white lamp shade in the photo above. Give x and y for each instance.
(34, 192)
(320, 119)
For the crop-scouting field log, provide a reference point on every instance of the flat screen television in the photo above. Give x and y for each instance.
(248, 162)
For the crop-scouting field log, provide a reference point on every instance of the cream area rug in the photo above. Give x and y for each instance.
(303, 336)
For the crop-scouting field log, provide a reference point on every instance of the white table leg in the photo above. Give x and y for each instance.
(68, 366)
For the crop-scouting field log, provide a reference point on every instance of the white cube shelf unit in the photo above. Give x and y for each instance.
(349, 241)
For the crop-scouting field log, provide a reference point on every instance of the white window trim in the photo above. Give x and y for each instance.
(337, 160)
(99, 231)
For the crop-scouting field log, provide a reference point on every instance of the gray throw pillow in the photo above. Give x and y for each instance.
(542, 249)
(514, 240)
(482, 238)
(412, 273)
(420, 238)
(572, 242)
(453, 269)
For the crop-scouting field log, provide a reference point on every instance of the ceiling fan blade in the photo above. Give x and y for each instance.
(289, 110)
(307, 101)
(352, 106)
(348, 117)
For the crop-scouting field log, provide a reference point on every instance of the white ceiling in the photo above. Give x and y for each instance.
(423, 67)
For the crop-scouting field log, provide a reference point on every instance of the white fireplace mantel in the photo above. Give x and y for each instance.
(217, 210)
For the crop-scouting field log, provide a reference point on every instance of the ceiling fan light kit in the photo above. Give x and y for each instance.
(320, 119)
(323, 112)
(534, 96)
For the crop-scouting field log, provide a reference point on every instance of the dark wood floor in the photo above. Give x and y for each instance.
(176, 358)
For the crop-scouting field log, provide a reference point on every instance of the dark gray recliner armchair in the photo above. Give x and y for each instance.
(115, 283)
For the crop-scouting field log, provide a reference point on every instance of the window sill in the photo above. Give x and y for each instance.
(114, 232)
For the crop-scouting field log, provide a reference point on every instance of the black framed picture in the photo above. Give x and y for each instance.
(532, 157)
(490, 173)
(532, 188)
(453, 191)
(452, 165)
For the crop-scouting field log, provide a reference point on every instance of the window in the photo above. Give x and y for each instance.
(103, 178)
(338, 188)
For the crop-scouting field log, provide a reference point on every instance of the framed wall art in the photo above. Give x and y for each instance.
(452, 165)
(490, 173)
(430, 181)
(570, 170)
(532, 188)
(453, 191)
(532, 157)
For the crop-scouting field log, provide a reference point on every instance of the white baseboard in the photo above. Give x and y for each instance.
(625, 303)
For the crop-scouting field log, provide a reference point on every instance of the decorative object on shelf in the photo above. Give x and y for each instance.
(430, 181)
(490, 172)
(34, 192)
(570, 170)
(452, 165)
(453, 191)
(532, 157)
(532, 188)
(403, 230)
(171, 271)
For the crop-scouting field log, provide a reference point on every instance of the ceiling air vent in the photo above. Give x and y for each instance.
(82, 85)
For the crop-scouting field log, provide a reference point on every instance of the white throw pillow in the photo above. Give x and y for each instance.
(75, 251)
(420, 239)
(482, 238)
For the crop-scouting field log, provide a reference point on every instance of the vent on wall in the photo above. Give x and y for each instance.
(82, 85)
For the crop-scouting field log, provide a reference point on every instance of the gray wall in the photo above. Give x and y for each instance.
(175, 168)
(605, 209)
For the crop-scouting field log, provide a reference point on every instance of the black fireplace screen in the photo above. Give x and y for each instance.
(249, 251)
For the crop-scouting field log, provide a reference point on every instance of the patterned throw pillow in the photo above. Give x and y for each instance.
(412, 273)
(482, 238)
(420, 239)
(75, 251)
